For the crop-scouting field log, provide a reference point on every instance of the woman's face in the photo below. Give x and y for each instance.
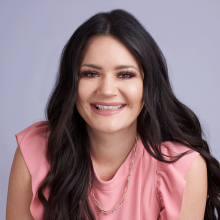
(110, 87)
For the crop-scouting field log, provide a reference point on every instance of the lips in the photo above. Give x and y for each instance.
(105, 112)
(108, 103)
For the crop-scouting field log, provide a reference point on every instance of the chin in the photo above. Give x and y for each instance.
(109, 130)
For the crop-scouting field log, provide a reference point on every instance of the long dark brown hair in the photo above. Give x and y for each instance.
(163, 118)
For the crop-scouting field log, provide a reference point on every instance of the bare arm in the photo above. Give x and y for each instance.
(195, 194)
(19, 190)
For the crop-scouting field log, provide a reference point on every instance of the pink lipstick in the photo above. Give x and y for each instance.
(107, 112)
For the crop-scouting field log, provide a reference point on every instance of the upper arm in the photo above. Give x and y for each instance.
(19, 190)
(195, 193)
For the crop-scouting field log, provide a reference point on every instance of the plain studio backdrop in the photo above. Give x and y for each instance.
(33, 34)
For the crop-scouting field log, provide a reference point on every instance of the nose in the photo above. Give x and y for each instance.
(107, 86)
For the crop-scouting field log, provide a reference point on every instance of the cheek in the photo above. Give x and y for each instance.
(84, 94)
(134, 93)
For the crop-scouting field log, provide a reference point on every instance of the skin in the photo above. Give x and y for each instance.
(19, 190)
(195, 193)
(111, 137)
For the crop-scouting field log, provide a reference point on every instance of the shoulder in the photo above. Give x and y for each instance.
(33, 144)
(29, 169)
(172, 149)
(198, 169)
(35, 130)
(172, 179)
(19, 189)
(195, 193)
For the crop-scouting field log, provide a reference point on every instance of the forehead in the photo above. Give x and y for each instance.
(108, 51)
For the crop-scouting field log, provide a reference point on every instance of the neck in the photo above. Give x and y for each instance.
(109, 150)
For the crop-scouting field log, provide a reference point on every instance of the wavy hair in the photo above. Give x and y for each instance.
(163, 118)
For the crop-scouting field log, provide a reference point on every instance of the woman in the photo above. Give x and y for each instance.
(117, 143)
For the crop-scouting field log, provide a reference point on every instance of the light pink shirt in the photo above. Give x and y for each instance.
(155, 191)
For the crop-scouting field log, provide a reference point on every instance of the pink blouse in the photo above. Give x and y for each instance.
(155, 191)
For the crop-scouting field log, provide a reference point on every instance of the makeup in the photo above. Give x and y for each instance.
(107, 109)
(128, 74)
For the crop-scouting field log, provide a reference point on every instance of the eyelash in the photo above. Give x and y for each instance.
(130, 74)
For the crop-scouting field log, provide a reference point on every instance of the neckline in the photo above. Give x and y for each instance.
(123, 171)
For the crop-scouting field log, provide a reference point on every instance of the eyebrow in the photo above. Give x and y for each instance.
(116, 68)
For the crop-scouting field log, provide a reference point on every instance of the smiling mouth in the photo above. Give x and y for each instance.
(107, 108)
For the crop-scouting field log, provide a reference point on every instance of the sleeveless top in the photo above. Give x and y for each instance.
(155, 190)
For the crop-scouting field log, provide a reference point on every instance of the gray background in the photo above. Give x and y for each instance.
(33, 33)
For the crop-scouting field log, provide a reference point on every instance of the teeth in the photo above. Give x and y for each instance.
(106, 108)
